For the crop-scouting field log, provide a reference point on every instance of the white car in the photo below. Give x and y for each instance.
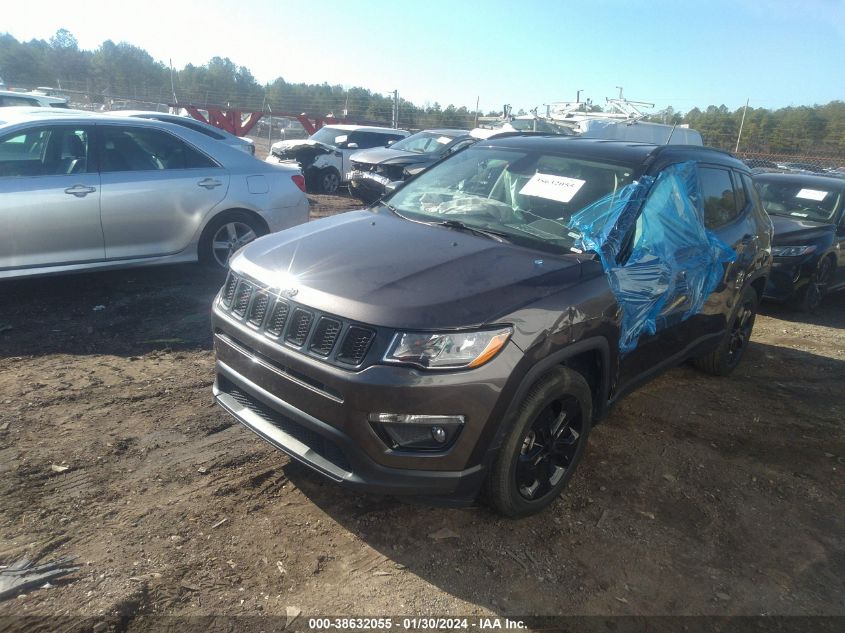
(11, 98)
(85, 191)
(244, 144)
(324, 157)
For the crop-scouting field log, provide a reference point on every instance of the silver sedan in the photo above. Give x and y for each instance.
(84, 191)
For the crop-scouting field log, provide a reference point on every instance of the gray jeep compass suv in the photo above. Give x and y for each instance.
(463, 336)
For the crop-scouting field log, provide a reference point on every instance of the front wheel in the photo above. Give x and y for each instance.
(225, 235)
(329, 180)
(813, 293)
(724, 359)
(543, 448)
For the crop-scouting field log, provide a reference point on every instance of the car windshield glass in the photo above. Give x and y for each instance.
(423, 143)
(802, 200)
(527, 196)
(327, 135)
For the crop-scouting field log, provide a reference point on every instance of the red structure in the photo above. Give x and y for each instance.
(232, 119)
(229, 119)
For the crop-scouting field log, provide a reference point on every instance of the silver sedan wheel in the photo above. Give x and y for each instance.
(229, 238)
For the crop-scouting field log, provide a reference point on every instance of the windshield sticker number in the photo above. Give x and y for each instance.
(552, 187)
(812, 194)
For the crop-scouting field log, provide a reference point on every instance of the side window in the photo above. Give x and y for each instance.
(718, 196)
(147, 149)
(367, 140)
(48, 151)
(18, 101)
(741, 194)
(751, 191)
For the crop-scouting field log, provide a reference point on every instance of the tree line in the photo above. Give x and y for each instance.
(122, 70)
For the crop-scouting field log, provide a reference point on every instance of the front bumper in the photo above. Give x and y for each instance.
(317, 413)
(788, 276)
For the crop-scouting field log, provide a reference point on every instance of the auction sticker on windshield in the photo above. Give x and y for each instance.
(812, 194)
(560, 188)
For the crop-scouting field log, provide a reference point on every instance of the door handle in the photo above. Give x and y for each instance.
(209, 183)
(80, 191)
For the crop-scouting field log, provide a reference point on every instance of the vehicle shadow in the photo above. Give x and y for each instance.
(831, 312)
(122, 312)
(677, 501)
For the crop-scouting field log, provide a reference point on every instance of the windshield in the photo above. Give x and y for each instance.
(326, 135)
(799, 200)
(424, 143)
(528, 197)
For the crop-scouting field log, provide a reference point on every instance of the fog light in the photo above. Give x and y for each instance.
(416, 431)
(439, 434)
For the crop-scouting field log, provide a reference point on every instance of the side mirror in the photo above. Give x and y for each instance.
(391, 186)
(351, 146)
(390, 142)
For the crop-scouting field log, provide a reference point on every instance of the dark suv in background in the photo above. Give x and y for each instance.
(466, 334)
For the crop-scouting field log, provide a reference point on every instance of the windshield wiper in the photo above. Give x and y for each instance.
(460, 226)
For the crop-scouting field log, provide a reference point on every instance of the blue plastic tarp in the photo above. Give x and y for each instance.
(674, 262)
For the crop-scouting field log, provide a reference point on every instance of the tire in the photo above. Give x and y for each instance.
(725, 358)
(364, 195)
(812, 294)
(225, 234)
(525, 476)
(328, 180)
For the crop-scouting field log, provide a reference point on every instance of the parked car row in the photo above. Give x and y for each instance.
(462, 336)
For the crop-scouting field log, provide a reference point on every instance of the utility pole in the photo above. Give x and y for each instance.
(741, 123)
(395, 109)
(477, 99)
(172, 85)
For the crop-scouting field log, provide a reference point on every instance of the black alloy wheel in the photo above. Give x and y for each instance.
(741, 328)
(545, 440)
(549, 448)
(817, 288)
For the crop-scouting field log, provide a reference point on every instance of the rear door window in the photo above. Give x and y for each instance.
(718, 196)
(146, 149)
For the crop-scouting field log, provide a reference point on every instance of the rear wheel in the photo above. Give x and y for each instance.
(225, 235)
(544, 446)
(813, 293)
(724, 359)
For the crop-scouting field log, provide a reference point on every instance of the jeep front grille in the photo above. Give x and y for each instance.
(312, 332)
(325, 336)
(355, 345)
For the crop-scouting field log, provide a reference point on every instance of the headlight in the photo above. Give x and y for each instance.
(792, 251)
(447, 350)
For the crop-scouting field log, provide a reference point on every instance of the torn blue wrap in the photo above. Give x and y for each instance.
(675, 262)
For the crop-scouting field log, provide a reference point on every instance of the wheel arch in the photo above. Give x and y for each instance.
(204, 233)
(213, 217)
(591, 355)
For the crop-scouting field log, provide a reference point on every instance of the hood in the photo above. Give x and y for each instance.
(302, 151)
(293, 143)
(390, 272)
(380, 155)
(792, 230)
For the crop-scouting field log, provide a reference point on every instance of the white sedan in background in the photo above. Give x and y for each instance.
(85, 191)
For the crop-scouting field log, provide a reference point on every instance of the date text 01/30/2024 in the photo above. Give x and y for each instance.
(413, 623)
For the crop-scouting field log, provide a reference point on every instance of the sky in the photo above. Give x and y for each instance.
(526, 53)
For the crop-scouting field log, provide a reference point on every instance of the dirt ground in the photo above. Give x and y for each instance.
(697, 496)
